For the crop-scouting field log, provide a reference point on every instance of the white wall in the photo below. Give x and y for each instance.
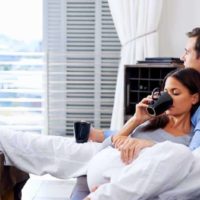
(178, 17)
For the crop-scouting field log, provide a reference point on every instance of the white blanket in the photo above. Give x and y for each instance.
(189, 188)
(41, 154)
(157, 170)
(166, 171)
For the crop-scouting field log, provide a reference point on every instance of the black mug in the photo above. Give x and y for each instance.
(160, 105)
(81, 131)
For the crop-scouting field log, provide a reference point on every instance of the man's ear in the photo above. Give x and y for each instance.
(195, 98)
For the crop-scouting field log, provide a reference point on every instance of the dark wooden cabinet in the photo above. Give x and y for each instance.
(140, 80)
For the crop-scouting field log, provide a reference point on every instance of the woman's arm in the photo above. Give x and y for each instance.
(139, 117)
(119, 139)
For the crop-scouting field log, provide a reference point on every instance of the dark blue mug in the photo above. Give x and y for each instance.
(158, 106)
(81, 131)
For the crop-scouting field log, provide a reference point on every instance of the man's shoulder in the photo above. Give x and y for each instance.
(197, 112)
(196, 117)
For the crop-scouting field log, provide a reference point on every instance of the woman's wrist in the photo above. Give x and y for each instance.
(136, 121)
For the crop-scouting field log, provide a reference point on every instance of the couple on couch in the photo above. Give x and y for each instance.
(161, 169)
(153, 165)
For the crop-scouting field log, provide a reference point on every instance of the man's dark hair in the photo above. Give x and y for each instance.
(196, 33)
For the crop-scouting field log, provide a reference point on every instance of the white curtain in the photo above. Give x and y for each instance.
(136, 22)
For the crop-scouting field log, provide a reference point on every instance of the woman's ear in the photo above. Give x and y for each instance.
(195, 98)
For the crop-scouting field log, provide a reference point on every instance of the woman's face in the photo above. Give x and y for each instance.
(182, 99)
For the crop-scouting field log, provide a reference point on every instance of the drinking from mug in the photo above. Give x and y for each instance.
(161, 102)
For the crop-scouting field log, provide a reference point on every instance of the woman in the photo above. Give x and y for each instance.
(175, 122)
(63, 158)
(173, 126)
(176, 119)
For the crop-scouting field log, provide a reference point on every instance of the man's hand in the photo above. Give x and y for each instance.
(131, 148)
(96, 135)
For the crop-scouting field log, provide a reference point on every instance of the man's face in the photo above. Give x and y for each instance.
(190, 56)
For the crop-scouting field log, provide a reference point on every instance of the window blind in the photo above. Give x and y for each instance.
(21, 89)
(82, 62)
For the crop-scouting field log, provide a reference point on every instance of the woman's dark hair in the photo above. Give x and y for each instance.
(190, 78)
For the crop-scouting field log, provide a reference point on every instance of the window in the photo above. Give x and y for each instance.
(82, 62)
(21, 91)
(21, 65)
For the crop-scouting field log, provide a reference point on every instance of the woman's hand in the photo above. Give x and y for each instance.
(141, 109)
(131, 148)
(118, 140)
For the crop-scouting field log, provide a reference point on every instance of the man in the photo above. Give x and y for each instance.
(191, 58)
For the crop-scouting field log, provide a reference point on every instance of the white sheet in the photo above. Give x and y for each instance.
(40, 154)
(157, 170)
(189, 188)
(164, 171)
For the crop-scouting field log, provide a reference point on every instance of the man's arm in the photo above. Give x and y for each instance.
(195, 142)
